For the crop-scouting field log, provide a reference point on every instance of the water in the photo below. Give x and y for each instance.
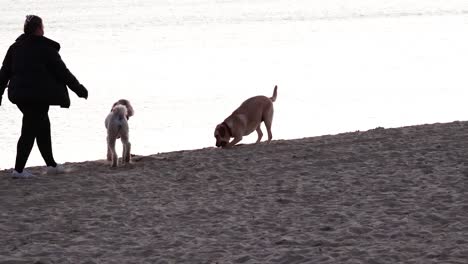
(186, 65)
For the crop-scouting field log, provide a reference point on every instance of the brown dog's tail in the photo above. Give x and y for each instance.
(273, 98)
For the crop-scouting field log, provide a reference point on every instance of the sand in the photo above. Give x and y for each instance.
(380, 196)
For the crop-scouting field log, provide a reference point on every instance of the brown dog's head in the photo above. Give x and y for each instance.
(222, 135)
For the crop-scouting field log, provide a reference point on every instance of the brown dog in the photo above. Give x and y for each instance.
(246, 119)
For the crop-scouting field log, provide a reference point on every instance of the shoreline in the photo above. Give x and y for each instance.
(138, 157)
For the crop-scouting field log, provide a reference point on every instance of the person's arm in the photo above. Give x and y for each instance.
(61, 72)
(5, 73)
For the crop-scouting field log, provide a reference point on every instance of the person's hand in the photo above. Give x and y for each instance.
(82, 92)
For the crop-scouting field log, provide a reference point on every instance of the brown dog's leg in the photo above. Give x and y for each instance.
(268, 127)
(234, 142)
(259, 133)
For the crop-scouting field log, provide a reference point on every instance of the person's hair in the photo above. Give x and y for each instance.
(32, 23)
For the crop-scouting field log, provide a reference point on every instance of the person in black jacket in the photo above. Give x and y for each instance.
(37, 78)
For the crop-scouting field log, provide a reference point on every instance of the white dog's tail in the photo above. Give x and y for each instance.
(273, 98)
(120, 110)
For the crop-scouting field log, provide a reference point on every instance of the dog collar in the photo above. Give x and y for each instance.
(228, 128)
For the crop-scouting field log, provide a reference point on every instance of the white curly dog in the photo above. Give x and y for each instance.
(117, 127)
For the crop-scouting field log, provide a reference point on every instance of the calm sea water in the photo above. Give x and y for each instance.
(186, 65)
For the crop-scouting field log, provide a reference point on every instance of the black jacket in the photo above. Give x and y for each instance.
(36, 74)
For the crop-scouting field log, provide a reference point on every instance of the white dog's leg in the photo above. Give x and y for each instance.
(109, 153)
(126, 149)
(128, 156)
(111, 144)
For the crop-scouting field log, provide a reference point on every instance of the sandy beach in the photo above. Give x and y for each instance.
(380, 196)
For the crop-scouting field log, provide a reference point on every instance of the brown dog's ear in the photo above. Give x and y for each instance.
(222, 130)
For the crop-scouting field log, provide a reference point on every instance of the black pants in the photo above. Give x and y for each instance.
(36, 126)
